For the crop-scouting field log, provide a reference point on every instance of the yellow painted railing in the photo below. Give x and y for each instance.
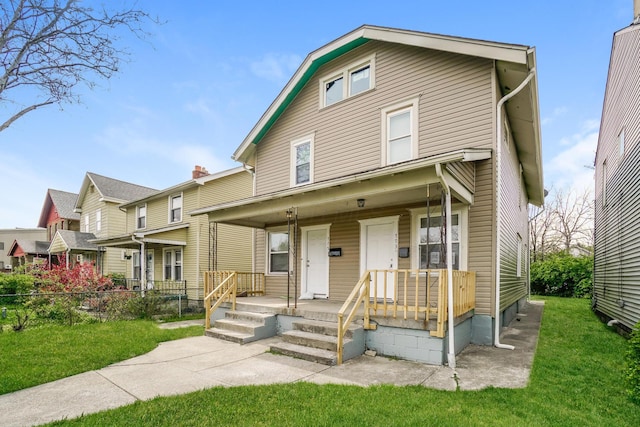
(221, 286)
(420, 294)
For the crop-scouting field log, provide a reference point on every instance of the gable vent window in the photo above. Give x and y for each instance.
(349, 81)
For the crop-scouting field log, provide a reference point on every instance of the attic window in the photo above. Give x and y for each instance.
(356, 78)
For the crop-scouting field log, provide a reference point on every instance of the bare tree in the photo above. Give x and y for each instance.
(53, 45)
(542, 238)
(574, 219)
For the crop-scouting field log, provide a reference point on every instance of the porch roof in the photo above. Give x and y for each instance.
(386, 186)
(127, 241)
(67, 240)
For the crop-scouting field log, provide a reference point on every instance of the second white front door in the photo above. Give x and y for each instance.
(315, 262)
(379, 251)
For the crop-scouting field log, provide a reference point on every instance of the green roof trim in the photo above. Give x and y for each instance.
(309, 72)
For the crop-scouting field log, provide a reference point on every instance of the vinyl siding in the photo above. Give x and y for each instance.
(455, 111)
(616, 247)
(514, 223)
(482, 236)
(465, 172)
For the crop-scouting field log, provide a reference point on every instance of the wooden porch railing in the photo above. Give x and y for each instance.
(221, 286)
(421, 293)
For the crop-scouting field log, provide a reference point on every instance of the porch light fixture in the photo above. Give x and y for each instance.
(289, 213)
(361, 203)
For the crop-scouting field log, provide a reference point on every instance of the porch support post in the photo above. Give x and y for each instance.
(451, 354)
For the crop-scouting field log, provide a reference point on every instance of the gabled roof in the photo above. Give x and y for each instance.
(513, 64)
(509, 53)
(31, 247)
(112, 190)
(184, 186)
(64, 203)
(72, 240)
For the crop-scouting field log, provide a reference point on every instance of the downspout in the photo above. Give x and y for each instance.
(496, 333)
(252, 172)
(143, 262)
(451, 355)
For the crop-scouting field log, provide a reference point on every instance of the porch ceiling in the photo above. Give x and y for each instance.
(402, 185)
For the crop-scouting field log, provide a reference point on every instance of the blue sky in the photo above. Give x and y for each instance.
(193, 89)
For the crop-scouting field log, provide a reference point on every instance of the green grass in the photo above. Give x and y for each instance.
(577, 380)
(39, 355)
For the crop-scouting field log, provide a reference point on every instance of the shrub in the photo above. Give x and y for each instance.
(633, 365)
(15, 284)
(563, 275)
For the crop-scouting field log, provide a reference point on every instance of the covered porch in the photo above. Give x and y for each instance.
(387, 247)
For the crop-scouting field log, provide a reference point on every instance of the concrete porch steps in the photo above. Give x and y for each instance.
(317, 341)
(243, 327)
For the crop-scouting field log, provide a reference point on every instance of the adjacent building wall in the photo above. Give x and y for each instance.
(617, 188)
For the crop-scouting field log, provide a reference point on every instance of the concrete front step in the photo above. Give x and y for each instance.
(317, 341)
(317, 355)
(243, 327)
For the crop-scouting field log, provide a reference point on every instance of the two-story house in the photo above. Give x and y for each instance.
(616, 275)
(97, 206)
(395, 169)
(167, 248)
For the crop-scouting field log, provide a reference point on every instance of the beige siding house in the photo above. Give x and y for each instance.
(176, 246)
(616, 281)
(399, 164)
(97, 205)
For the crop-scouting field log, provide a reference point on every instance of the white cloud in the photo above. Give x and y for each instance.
(557, 112)
(276, 67)
(572, 168)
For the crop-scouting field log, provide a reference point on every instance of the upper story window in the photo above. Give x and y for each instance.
(356, 78)
(175, 208)
(400, 132)
(604, 183)
(302, 161)
(141, 216)
(278, 252)
(98, 221)
(86, 223)
(621, 143)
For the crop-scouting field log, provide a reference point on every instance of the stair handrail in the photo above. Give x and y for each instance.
(230, 292)
(358, 296)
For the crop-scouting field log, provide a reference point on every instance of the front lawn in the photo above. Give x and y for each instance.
(577, 380)
(47, 353)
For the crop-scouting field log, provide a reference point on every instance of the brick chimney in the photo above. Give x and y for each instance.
(199, 172)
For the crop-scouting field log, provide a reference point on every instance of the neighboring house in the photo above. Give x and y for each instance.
(26, 252)
(97, 205)
(177, 248)
(616, 276)
(9, 236)
(58, 212)
(409, 155)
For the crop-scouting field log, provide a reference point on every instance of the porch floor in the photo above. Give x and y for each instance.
(303, 307)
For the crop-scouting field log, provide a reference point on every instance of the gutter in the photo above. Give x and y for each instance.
(451, 355)
(496, 334)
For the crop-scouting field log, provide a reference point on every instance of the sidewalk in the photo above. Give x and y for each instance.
(191, 364)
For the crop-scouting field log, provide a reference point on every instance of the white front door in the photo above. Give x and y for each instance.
(379, 251)
(315, 262)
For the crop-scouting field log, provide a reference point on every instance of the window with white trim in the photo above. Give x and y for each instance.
(429, 243)
(621, 143)
(604, 183)
(400, 132)
(278, 252)
(135, 256)
(172, 264)
(519, 262)
(175, 208)
(98, 221)
(86, 223)
(302, 161)
(356, 78)
(141, 216)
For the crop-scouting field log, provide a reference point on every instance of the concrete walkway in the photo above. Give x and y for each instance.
(191, 364)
